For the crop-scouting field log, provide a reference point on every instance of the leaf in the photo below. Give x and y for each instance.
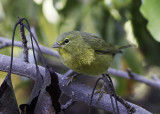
(40, 101)
(50, 92)
(29, 108)
(59, 4)
(54, 90)
(150, 9)
(8, 103)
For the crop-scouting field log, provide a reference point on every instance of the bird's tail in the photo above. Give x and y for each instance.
(127, 46)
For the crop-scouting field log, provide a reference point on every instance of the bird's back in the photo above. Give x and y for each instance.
(98, 44)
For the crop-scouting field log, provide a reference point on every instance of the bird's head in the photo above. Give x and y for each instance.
(69, 41)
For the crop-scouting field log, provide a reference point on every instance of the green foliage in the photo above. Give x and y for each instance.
(151, 10)
(149, 47)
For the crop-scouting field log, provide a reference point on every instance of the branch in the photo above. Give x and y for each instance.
(7, 42)
(154, 83)
(24, 42)
(151, 82)
(77, 91)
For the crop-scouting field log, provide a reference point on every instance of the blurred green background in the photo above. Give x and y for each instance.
(117, 21)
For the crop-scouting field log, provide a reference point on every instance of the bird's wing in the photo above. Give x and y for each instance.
(108, 52)
(100, 46)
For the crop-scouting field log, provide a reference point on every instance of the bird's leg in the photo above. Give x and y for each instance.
(71, 76)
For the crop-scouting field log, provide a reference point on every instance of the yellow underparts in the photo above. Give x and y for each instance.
(87, 62)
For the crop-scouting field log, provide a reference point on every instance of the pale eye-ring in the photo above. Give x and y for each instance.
(66, 40)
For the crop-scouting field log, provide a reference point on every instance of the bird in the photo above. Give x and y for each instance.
(86, 53)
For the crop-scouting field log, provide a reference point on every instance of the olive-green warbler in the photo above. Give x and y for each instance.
(86, 53)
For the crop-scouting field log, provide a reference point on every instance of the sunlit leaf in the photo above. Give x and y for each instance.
(59, 4)
(151, 10)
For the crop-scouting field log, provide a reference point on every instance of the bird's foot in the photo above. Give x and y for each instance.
(71, 76)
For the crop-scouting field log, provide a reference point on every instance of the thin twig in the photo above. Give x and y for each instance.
(24, 42)
(44, 49)
(130, 73)
(110, 89)
(136, 77)
(94, 88)
(156, 78)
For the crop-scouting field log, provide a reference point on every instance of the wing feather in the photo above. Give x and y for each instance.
(99, 45)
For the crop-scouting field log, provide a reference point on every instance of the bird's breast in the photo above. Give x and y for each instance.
(87, 62)
(78, 58)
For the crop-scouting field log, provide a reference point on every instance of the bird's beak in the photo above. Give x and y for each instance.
(56, 45)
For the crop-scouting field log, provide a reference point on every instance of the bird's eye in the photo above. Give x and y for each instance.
(66, 40)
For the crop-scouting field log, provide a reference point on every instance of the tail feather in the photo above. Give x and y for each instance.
(127, 46)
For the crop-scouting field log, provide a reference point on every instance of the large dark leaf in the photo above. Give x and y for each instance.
(50, 93)
(41, 100)
(30, 106)
(8, 103)
(54, 90)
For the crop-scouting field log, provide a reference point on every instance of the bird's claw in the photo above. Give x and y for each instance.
(70, 79)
